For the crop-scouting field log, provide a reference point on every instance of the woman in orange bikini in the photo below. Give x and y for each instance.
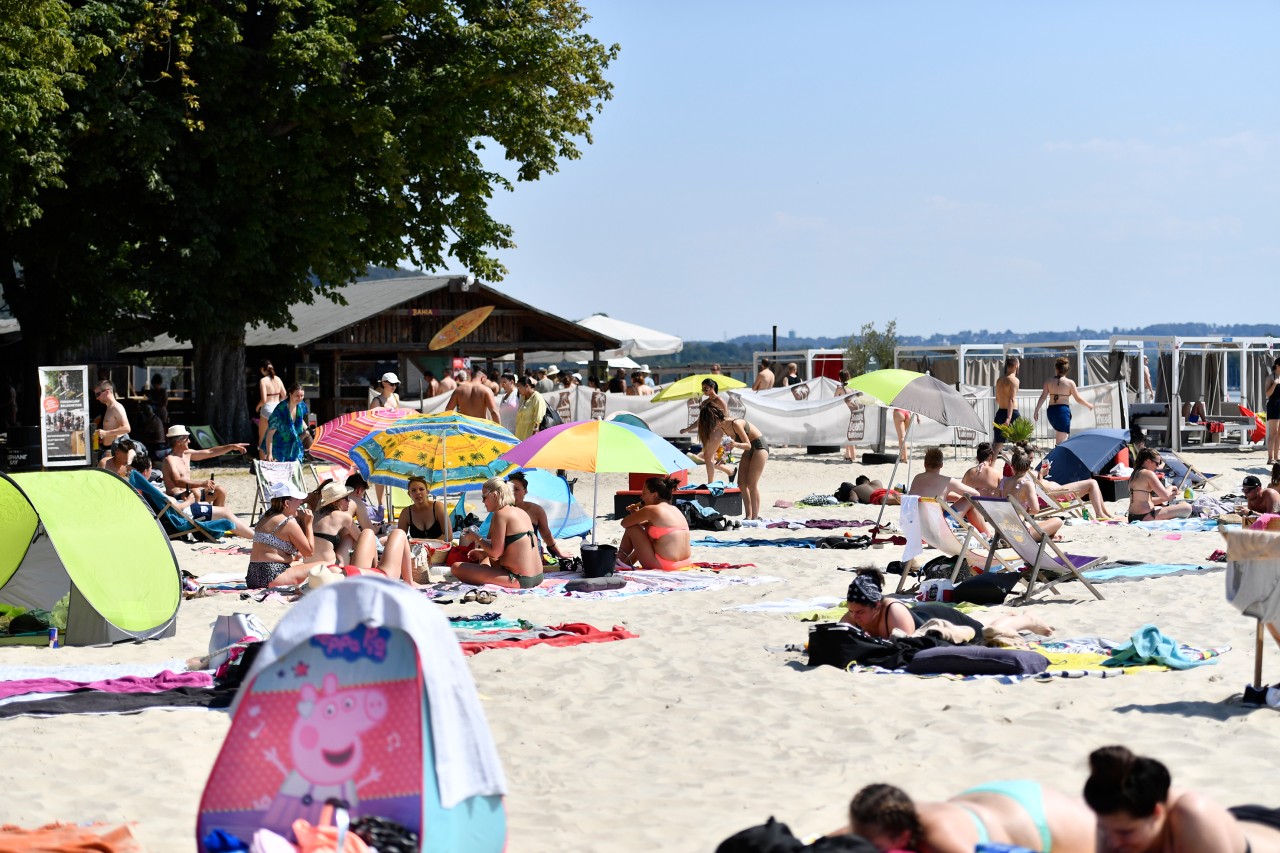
(655, 533)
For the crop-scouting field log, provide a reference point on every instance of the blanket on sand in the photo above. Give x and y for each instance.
(637, 583)
(567, 634)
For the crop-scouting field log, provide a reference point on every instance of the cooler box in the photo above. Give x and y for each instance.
(1113, 488)
(635, 482)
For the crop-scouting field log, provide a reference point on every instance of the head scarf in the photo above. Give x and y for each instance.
(864, 590)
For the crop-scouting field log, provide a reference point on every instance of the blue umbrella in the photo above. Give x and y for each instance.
(1085, 454)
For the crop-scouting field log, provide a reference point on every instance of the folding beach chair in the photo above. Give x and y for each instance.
(175, 524)
(1253, 588)
(1014, 525)
(935, 531)
(1182, 472)
(267, 474)
(206, 439)
(1056, 506)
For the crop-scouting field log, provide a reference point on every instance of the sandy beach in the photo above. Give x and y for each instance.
(696, 729)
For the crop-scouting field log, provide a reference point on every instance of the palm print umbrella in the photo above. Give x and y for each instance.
(448, 450)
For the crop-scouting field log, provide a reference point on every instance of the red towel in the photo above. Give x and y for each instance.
(579, 632)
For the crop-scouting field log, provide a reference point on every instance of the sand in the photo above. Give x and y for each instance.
(695, 730)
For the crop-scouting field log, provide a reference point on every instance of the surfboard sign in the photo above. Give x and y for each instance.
(460, 327)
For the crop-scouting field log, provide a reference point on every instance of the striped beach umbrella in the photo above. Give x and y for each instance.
(448, 450)
(334, 439)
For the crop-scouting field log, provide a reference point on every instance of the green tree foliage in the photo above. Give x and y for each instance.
(251, 154)
(871, 342)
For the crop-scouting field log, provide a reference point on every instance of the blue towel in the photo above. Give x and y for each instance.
(715, 487)
(1148, 645)
(712, 542)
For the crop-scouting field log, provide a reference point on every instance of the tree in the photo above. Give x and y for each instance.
(868, 343)
(303, 140)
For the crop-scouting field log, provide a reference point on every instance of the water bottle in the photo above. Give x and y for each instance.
(1188, 493)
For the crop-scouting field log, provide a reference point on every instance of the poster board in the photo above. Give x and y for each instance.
(64, 416)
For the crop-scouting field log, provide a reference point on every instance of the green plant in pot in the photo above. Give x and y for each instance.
(1020, 430)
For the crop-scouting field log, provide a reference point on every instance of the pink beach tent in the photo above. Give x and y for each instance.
(361, 695)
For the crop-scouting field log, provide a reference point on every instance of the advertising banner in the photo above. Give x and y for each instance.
(64, 416)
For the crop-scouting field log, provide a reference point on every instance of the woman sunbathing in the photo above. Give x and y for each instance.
(655, 533)
(1137, 812)
(1020, 487)
(1074, 491)
(1148, 497)
(880, 617)
(509, 557)
(1017, 812)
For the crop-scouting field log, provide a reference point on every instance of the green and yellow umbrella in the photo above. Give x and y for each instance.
(920, 394)
(691, 386)
(448, 450)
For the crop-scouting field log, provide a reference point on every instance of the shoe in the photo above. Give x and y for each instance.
(733, 475)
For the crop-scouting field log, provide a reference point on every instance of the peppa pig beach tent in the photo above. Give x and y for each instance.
(361, 695)
(85, 541)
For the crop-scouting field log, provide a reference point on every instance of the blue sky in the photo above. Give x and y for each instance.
(953, 165)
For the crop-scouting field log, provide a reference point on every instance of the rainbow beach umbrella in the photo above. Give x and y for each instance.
(598, 447)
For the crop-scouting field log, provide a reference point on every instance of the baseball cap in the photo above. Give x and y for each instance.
(1251, 482)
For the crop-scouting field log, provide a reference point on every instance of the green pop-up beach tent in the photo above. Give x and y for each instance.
(88, 535)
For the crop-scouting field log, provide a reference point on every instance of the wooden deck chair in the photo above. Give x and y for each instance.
(936, 533)
(1012, 524)
(174, 523)
(1056, 507)
(267, 474)
(1253, 588)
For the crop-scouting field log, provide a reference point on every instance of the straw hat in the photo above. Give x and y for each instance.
(332, 493)
(553, 370)
(177, 431)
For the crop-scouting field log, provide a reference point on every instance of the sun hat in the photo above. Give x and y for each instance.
(287, 490)
(332, 493)
(390, 378)
(552, 370)
(177, 431)
(644, 368)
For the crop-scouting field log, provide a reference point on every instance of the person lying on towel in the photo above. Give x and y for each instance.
(655, 533)
(1014, 812)
(1137, 811)
(880, 617)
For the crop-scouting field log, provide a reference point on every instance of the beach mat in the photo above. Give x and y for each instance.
(637, 583)
(1137, 571)
(567, 634)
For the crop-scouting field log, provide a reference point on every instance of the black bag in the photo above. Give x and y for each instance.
(991, 588)
(840, 644)
(550, 419)
(941, 567)
(702, 518)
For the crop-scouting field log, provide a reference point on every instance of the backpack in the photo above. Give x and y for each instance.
(550, 419)
(702, 517)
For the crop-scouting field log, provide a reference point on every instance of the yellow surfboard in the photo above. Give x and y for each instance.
(460, 327)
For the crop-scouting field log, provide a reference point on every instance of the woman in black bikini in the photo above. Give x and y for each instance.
(509, 557)
(1139, 813)
(1271, 392)
(424, 518)
(1060, 391)
(713, 423)
(1148, 497)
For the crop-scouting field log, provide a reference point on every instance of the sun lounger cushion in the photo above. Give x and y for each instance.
(976, 660)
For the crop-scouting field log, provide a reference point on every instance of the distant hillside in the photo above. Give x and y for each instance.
(739, 350)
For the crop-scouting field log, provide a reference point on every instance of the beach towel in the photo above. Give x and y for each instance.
(789, 605)
(95, 837)
(94, 702)
(568, 634)
(1149, 645)
(126, 684)
(909, 523)
(637, 583)
(1181, 525)
(1136, 571)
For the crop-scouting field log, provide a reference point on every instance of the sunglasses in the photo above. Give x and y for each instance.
(99, 393)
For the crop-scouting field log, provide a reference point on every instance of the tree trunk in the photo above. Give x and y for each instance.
(36, 349)
(219, 385)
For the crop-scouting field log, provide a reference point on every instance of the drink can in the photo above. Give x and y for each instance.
(53, 638)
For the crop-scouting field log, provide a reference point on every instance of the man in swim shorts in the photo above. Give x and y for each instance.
(1006, 401)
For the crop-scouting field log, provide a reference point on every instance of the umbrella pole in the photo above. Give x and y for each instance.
(595, 504)
(444, 454)
(893, 475)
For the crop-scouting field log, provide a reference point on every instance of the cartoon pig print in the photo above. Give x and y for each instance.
(326, 749)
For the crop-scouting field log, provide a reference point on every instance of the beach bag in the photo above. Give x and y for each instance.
(988, 589)
(235, 628)
(840, 644)
(701, 517)
(942, 567)
(550, 419)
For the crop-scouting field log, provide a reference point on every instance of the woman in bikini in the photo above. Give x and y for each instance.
(1014, 812)
(1148, 497)
(424, 517)
(1137, 812)
(655, 533)
(282, 539)
(1018, 485)
(713, 423)
(1271, 393)
(868, 609)
(537, 515)
(509, 557)
(901, 425)
(1060, 391)
(270, 393)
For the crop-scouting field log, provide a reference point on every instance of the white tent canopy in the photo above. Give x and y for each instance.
(637, 341)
